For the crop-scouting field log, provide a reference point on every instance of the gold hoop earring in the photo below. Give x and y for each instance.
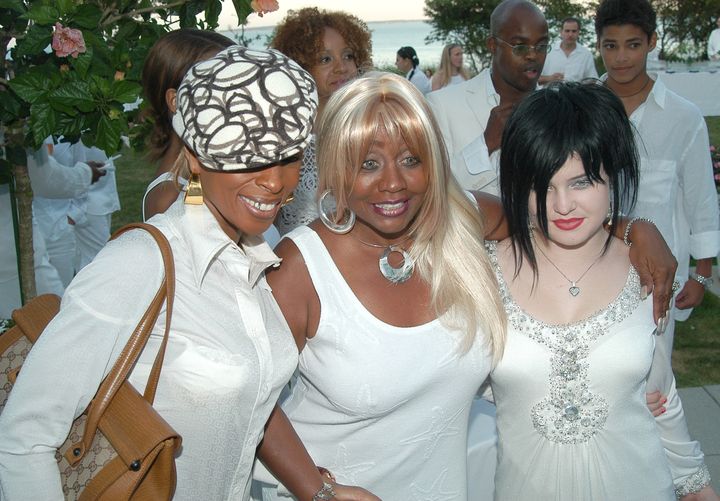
(288, 200)
(194, 192)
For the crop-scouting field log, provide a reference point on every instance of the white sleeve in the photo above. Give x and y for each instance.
(699, 195)
(50, 179)
(684, 455)
(65, 367)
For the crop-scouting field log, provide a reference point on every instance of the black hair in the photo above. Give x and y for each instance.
(570, 20)
(616, 12)
(409, 53)
(549, 126)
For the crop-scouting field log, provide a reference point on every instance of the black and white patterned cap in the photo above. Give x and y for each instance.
(245, 108)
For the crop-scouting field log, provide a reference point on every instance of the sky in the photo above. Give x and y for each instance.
(367, 10)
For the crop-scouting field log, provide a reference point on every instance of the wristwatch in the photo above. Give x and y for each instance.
(704, 281)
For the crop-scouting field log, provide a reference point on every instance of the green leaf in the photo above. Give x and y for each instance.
(29, 86)
(243, 9)
(65, 6)
(127, 29)
(14, 5)
(212, 13)
(35, 41)
(10, 107)
(125, 91)
(43, 120)
(44, 14)
(81, 64)
(108, 134)
(73, 93)
(71, 126)
(87, 16)
(100, 87)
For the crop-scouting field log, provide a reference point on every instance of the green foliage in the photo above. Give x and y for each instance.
(43, 94)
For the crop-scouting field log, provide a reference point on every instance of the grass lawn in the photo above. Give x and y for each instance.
(696, 358)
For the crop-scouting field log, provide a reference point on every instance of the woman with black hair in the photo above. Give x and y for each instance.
(570, 389)
(407, 62)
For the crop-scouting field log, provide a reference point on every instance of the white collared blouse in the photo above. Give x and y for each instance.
(229, 353)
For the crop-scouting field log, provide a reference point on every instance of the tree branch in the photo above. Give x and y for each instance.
(145, 10)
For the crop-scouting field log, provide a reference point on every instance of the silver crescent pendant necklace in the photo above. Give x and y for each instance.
(393, 274)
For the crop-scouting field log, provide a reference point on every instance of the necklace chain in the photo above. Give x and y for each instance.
(634, 93)
(574, 290)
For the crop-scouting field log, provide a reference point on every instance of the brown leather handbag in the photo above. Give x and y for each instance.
(120, 447)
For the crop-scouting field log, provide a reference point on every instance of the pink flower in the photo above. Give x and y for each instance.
(264, 6)
(67, 41)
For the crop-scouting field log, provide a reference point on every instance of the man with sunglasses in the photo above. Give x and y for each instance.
(472, 115)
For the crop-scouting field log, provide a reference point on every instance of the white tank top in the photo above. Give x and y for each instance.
(380, 406)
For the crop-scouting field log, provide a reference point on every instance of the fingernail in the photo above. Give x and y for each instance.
(662, 411)
(643, 292)
(664, 400)
(660, 326)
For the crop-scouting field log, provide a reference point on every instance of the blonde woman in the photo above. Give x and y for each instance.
(391, 299)
(452, 70)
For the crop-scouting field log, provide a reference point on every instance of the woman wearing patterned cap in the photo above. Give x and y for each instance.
(244, 117)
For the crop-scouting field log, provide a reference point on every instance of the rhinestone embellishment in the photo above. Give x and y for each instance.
(570, 413)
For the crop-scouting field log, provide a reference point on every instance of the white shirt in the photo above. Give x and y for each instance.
(229, 354)
(713, 48)
(676, 189)
(462, 112)
(420, 80)
(576, 66)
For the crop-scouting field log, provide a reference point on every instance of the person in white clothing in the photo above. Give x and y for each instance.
(229, 352)
(57, 181)
(568, 60)
(713, 47)
(572, 419)
(676, 187)
(472, 115)
(451, 71)
(407, 62)
(166, 64)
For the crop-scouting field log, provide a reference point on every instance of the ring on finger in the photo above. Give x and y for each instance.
(675, 286)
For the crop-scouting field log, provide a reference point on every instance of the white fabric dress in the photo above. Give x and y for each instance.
(229, 354)
(382, 407)
(572, 420)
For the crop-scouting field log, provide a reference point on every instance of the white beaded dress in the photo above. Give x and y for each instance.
(572, 419)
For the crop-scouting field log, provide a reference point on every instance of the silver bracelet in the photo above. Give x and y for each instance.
(326, 492)
(626, 235)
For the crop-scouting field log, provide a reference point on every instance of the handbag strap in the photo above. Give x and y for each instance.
(134, 347)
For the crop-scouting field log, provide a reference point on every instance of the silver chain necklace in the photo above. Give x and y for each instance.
(574, 290)
(396, 275)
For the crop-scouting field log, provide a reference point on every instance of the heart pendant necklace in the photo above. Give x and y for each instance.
(574, 290)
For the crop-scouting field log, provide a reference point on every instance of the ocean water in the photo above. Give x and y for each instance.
(387, 38)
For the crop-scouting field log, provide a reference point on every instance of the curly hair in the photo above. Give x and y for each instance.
(165, 66)
(636, 12)
(309, 25)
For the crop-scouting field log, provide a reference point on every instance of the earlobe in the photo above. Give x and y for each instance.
(192, 161)
(653, 41)
(170, 99)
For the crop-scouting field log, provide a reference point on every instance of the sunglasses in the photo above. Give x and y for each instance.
(524, 50)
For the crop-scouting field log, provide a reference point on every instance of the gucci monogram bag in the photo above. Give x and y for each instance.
(120, 447)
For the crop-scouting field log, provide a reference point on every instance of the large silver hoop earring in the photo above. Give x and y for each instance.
(327, 208)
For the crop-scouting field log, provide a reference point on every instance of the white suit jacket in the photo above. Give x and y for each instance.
(463, 111)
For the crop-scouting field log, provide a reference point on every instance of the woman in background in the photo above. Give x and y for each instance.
(334, 47)
(452, 70)
(407, 62)
(165, 66)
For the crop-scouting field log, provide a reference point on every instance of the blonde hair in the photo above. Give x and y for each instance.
(448, 231)
(444, 71)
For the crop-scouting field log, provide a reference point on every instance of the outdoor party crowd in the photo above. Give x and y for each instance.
(362, 258)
